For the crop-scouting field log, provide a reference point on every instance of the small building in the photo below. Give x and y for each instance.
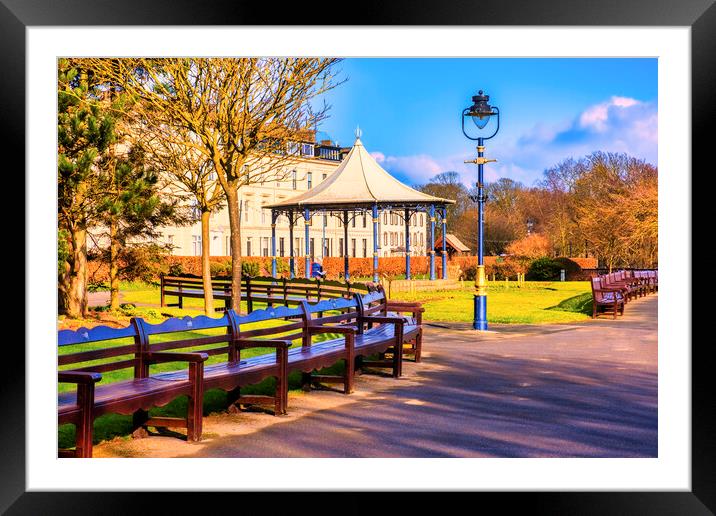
(454, 246)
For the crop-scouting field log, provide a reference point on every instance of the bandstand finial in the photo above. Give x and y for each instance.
(358, 132)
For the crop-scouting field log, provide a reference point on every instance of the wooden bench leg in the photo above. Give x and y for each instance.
(280, 396)
(358, 368)
(195, 407)
(306, 381)
(83, 428)
(397, 354)
(139, 420)
(233, 395)
(418, 345)
(348, 376)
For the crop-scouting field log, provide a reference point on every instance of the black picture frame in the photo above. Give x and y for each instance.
(700, 15)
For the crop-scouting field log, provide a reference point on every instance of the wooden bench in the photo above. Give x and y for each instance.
(365, 324)
(233, 372)
(193, 287)
(606, 298)
(377, 303)
(268, 290)
(92, 398)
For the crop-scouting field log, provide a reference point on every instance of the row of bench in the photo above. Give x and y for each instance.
(610, 292)
(265, 289)
(357, 328)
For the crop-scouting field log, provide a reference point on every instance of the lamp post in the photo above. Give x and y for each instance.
(480, 112)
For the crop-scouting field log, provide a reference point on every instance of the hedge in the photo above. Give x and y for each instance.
(391, 267)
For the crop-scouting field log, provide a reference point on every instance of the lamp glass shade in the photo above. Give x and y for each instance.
(480, 120)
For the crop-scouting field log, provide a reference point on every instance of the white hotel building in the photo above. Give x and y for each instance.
(317, 161)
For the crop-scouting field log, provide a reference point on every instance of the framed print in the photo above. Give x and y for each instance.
(674, 50)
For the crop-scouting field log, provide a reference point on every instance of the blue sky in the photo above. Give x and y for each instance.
(551, 109)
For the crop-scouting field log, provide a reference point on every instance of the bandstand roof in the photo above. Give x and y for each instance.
(359, 181)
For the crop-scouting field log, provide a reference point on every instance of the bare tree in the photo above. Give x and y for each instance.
(245, 113)
(188, 174)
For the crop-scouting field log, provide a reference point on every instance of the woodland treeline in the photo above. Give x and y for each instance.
(603, 205)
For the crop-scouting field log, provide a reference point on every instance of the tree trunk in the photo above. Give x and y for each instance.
(232, 202)
(113, 266)
(72, 287)
(206, 264)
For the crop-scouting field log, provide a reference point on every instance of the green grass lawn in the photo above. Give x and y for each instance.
(537, 302)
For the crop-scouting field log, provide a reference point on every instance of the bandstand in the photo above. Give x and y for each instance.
(358, 186)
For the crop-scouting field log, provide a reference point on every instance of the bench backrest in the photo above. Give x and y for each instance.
(374, 301)
(213, 336)
(335, 311)
(194, 282)
(597, 293)
(280, 322)
(100, 349)
(313, 288)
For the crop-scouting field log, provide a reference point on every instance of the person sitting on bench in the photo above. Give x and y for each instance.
(317, 270)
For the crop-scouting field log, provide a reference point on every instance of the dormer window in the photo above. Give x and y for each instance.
(292, 148)
(307, 149)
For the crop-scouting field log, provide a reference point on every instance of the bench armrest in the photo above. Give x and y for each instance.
(78, 377)
(404, 307)
(159, 357)
(263, 343)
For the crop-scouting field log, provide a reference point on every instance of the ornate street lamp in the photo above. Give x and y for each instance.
(481, 112)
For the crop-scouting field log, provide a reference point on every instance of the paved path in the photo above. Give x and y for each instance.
(587, 389)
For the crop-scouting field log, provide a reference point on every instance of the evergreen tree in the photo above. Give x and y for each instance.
(84, 131)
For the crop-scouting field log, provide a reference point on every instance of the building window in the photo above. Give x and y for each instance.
(353, 221)
(293, 148)
(196, 244)
(325, 220)
(385, 239)
(281, 247)
(385, 218)
(421, 219)
(170, 241)
(365, 220)
(422, 239)
(324, 177)
(340, 247)
(248, 246)
(297, 247)
(353, 247)
(365, 248)
(311, 248)
(307, 149)
(265, 247)
(340, 222)
(392, 238)
(263, 215)
(309, 180)
(247, 207)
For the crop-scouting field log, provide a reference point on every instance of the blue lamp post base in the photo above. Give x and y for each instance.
(480, 319)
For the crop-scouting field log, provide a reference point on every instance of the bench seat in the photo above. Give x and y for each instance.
(125, 397)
